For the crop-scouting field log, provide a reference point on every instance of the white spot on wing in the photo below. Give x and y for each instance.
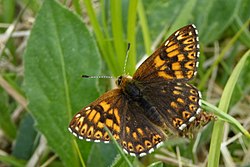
(198, 111)
(196, 31)
(106, 141)
(176, 34)
(191, 119)
(166, 42)
(132, 154)
(70, 129)
(198, 54)
(88, 139)
(88, 108)
(74, 134)
(142, 154)
(182, 126)
(97, 141)
(125, 151)
(151, 150)
(199, 102)
(159, 144)
(78, 115)
(200, 94)
(80, 137)
(197, 64)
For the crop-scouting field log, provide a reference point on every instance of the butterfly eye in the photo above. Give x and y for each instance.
(119, 80)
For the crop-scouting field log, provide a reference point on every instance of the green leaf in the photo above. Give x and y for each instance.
(213, 17)
(160, 16)
(12, 161)
(25, 141)
(156, 164)
(101, 149)
(6, 123)
(217, 135)
(242, 17)
(59, 51)
(225, 117)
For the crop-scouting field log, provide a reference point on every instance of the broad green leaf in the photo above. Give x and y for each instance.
(59, 51)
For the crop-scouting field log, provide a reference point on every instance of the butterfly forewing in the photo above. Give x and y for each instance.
(175, 59)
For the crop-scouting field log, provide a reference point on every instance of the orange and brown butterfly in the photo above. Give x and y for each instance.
(156, 100)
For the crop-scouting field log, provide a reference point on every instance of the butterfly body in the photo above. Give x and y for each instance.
(132, 91)
(156, 101)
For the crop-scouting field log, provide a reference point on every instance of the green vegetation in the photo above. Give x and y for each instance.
(46, 45)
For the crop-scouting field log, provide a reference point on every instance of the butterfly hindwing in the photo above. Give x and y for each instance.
(178, 103)
(139, 136)
(175, 59)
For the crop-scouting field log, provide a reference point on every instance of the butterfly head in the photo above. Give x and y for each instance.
(123, 80)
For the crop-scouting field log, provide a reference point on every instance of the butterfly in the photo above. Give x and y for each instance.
(158, 99)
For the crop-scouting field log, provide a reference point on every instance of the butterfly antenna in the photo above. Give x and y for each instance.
(88, 76)
(126, 59)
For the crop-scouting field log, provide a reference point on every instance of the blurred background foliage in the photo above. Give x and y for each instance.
(46, 45)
